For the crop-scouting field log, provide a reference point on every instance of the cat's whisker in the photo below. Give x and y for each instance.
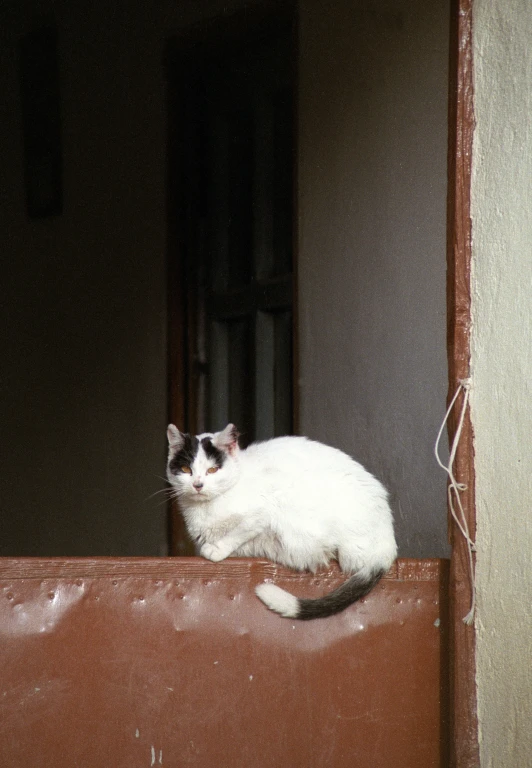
(165, 501)
(156, 493)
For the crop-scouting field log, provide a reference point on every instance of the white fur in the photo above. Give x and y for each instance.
(278, 600)
(292, 500)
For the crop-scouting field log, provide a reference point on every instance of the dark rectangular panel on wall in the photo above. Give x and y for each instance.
(156, 662)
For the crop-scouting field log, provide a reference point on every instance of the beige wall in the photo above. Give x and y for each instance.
(501, 365)
(83, 400)
(372, 181)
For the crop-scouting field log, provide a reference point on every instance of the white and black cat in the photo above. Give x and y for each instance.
(290, 499)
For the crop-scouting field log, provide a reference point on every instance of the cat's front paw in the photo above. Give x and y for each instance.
(214, 552)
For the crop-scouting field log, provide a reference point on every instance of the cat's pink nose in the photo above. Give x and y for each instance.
(197, 485)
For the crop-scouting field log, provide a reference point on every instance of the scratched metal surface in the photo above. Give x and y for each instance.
(125, 663)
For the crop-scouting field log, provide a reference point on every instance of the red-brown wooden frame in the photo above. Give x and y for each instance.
(464, 726)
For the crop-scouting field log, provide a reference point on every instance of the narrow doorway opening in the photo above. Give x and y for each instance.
(457, 279)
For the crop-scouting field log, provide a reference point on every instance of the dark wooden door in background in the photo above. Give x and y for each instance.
(234, 204)
(231, 213)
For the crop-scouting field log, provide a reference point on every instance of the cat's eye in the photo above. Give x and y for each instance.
(186, 470)
(212, 470)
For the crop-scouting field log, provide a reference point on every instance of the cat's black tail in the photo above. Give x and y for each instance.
(291, 607)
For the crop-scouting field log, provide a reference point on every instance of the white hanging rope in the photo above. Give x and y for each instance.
(454, 488)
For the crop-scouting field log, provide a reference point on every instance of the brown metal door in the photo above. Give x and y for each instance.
(146, 663)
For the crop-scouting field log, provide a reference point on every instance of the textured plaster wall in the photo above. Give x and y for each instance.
(372, 208)
(501, 364)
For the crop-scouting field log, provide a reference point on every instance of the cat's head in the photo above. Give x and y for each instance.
(201, 467)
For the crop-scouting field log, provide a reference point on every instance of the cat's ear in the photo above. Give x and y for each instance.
(175, 439)
(227, 440)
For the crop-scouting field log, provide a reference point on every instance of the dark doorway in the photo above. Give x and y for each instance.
(231, 202)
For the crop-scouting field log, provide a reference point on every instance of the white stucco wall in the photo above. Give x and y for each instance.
(501, 363)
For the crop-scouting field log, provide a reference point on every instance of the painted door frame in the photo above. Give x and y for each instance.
(463, 724)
